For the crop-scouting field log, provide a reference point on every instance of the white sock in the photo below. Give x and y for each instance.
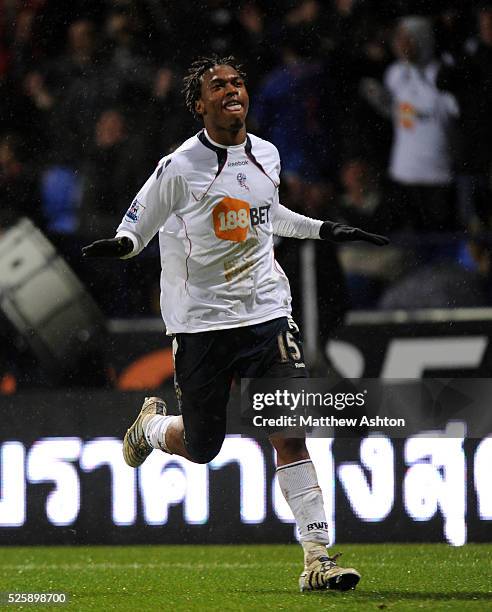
(299, 485)
(155, 431)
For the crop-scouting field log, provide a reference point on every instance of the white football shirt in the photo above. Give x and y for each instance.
(422, 115)
(216, 209)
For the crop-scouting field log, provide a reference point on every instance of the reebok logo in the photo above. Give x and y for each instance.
(244, 162)
(320, 525)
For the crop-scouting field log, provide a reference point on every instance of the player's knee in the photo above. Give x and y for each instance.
(204, 455)
(204, 452)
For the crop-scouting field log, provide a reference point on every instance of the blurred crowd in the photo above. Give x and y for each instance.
(380, 111)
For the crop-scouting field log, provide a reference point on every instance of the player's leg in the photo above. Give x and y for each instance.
(202, 381)
(172, 436)
(166, 433)
(280, 355)
(298, 482)
(197, 434)
(299, 485)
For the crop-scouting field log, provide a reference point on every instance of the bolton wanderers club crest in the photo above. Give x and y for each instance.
(241, 179)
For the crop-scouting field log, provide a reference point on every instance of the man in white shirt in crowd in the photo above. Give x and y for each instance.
(224, 298)
(423, 120)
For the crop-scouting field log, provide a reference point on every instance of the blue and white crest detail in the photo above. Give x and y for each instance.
(241, 179)
(134, 212)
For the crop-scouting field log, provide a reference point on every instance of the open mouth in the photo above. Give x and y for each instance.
(233, 106)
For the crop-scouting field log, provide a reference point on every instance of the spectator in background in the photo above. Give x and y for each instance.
(36, 112)
(213, 25)
(22, 107)
(363, 129)
(353, 44)
(19, 115)
(451, 29)
(293, 110)
(80, 53)
(165, 123)
(127, 74)
(421, 163)
(469, 78)
(421, 157)
(53, 18)
(113, 168)
(23, 47)
(75, 82)
(366, 200)
(19, 194)
(304, 18)
(342, 25)
(254, 46)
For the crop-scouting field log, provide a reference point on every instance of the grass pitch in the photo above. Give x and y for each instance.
(153, 578)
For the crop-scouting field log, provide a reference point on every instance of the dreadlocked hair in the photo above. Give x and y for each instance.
(192, 82)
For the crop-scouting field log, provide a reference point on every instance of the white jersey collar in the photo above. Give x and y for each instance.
(221, 146)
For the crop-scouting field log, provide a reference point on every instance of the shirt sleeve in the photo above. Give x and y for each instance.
(162, 194)
(290, 224)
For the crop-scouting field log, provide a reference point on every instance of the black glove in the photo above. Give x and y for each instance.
(337, 232)
(110, 247)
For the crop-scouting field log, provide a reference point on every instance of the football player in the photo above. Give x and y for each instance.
(225, 300)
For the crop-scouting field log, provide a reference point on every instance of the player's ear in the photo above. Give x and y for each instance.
(199, 107)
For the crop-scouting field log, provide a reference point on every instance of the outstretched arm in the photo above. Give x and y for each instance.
(160, 195)
(293, 225)
(111, 247)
